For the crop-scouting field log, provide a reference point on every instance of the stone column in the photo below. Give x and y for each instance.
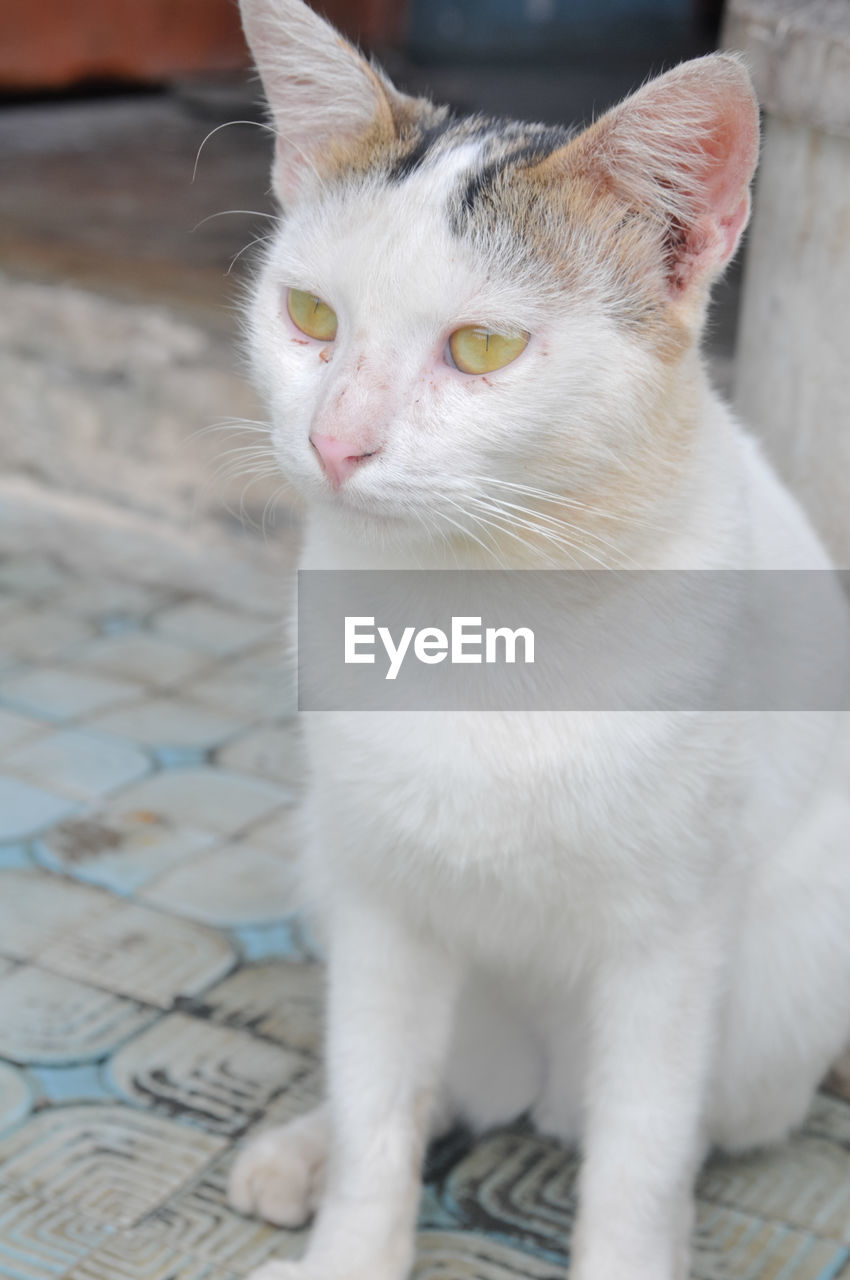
(792, 374)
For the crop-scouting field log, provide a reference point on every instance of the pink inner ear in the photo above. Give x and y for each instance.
(731, 227)
(720, 166)
(729, 159)
(707, 243)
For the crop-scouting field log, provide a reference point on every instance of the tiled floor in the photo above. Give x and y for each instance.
(158, 997)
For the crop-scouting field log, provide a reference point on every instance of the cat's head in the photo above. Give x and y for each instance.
(461, 324)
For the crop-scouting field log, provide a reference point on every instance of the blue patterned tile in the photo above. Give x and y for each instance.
(804, 1183)
(36, 908)
(118, 624)
(246, 696)
(139, 655)
(433, 1214)
(83, 766)
(15, 1096)
(113, 1164)
(105, 600)
(278, 1001)
(14, 856)
(181, 757)
(33, 576)
(212, 628)
(269, 751)
(829, 1117)
(39, 1240)
(467, 1255)
(301, 1095)
(141, 1255)
(207, 799)
(170, 723)
(837, 1082)
(58, 694)
(49, 1019)
(143, 954)
(118, 849)
(282, 832)
(25, 810)
(282, 940)
(729, 1245)
(41, 633)
(60, 1086)
(15, 728)
(516, 1187)
(212, 1076)
(273, 669)
(233, 885)
(199, 1220)
(10, 605)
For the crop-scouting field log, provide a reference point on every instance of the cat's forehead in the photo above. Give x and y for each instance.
(429, 143)
(409, 218)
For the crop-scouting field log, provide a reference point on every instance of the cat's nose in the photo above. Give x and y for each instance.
(339, 457)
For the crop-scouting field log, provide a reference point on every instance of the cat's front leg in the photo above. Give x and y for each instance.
(653, 1015)
(390, 1004)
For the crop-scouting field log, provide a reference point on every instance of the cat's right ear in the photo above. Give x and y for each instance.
(325, 99)
(681, 151)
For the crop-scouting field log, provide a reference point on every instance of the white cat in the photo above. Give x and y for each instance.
(479, 345)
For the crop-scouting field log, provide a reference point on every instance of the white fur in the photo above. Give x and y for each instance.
(632, 925)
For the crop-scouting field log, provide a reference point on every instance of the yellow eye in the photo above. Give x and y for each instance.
(477, 350)
(311, 315)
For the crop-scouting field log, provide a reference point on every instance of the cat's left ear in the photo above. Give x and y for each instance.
(683, 149)
(326, 100)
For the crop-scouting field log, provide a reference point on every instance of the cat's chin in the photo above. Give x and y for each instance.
(374, 521)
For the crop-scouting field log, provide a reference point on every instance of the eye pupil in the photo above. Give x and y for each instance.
(475, 349)
(311, 315)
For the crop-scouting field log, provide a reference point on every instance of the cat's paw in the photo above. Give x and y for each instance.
(280, 1177)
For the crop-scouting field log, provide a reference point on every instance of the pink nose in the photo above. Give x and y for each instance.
(339, 457)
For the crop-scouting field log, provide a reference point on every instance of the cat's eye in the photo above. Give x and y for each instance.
(478, 350)
(312, 316)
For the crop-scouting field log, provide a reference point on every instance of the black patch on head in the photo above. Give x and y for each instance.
(410, 161)
(532, 144)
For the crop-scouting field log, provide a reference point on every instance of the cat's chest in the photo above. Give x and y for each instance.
(469, 819)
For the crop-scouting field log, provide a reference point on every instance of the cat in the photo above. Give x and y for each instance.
(479, 345)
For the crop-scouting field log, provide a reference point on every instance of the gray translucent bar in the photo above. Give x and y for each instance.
(573, 640)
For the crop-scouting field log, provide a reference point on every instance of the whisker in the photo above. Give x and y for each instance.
(507, 525)
(224, 213)
(233, 425)
(549, 535)
(257, 123)
(539, 521)
(244, 249)
(467, 532)
(560, 499)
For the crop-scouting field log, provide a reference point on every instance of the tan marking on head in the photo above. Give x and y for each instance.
(396, 129)
(596, 241)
